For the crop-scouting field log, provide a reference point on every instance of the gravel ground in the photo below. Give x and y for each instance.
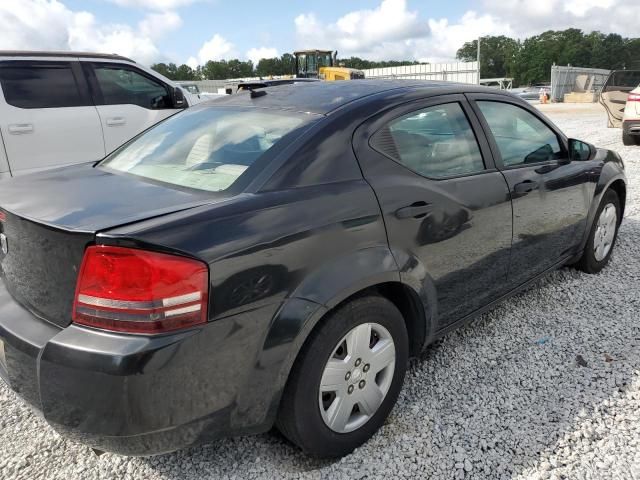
(545, 386)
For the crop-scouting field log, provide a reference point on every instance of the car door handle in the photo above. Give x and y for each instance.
(116, 121)
(19, 129)
(415, 210)
(525, 187)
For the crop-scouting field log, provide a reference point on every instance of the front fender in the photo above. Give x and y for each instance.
(610, 169)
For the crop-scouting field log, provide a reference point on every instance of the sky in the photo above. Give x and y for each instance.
(195, 31)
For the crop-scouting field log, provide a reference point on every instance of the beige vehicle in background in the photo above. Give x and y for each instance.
(631, 119)
(614, 93)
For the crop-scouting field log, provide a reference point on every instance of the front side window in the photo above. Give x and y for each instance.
(39, 85)
(522, 137)
(436, 142)
(121, 86)
(205, 149)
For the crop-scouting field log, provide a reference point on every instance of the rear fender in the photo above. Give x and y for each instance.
(318, 293)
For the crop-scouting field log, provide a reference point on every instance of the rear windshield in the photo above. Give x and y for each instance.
(626, 79)
(205, 149)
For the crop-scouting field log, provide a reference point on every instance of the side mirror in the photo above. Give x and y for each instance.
(580, 151)
(178, 98)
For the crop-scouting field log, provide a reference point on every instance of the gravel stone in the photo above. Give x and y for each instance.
(504, 397)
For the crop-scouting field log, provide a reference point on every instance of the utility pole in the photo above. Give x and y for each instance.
(479, 60)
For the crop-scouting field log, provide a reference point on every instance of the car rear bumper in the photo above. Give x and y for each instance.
(631, 127)
(142, 395)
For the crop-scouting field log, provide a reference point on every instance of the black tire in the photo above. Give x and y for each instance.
(299, 417)
(630, 140)
(588, 262)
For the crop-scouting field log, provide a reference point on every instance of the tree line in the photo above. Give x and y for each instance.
(529, 61)
(283, 65)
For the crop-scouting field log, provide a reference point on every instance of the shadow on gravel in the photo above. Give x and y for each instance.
(495, 399)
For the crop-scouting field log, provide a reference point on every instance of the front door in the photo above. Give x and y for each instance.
(128, 100)
(446, 208)
(551, 195)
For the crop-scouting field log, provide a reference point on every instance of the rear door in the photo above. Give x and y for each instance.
(446, 208)
(551, 195)
(47, 116)
(128, 99)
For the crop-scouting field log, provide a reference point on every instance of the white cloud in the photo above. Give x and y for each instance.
(446, 38)
(533, 17)
(35, 24)
(580, 8)
(157, 25)
(216, 48)
(392, 31)
(50, 25)
(368, 33)
(257, 54)
(161, 5)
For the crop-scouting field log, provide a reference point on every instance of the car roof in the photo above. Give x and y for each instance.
(325, 97)
(35, 53)
(274, 82)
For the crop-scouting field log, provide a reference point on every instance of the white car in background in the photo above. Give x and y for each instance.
(619, 98)
(192, 89)
(631, 119)
(61, 108)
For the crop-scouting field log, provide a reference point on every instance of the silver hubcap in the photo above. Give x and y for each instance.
(605, 232)
(357, 377)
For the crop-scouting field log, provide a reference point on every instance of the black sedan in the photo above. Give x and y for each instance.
(275, 259)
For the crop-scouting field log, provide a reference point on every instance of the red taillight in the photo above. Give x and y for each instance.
(131, 290)
(633, 97)
(3, 217)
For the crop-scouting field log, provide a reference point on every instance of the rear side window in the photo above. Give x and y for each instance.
(436, 142)
(44, 85)
(522, 138)
(120, 86)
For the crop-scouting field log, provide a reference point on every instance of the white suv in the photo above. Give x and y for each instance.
(61, 108)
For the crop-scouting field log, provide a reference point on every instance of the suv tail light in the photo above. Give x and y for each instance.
(137, 291)
(633, 97)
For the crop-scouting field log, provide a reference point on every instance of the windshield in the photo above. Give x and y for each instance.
(206, 149)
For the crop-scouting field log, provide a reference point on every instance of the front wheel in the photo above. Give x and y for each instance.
(603, 234)
(630, 140)
(346, 379)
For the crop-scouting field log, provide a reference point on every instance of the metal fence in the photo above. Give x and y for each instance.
(463, 72)
(569, 79)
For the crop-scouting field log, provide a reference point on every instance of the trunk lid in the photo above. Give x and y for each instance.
(50, 218)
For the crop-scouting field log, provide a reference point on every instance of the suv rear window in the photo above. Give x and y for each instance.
(205, 149)
(627, 79)
(40, 85)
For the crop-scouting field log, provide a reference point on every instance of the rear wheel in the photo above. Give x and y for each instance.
(603, 234)
(347, 378)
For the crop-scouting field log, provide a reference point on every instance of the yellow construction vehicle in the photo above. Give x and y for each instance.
(322, 64)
